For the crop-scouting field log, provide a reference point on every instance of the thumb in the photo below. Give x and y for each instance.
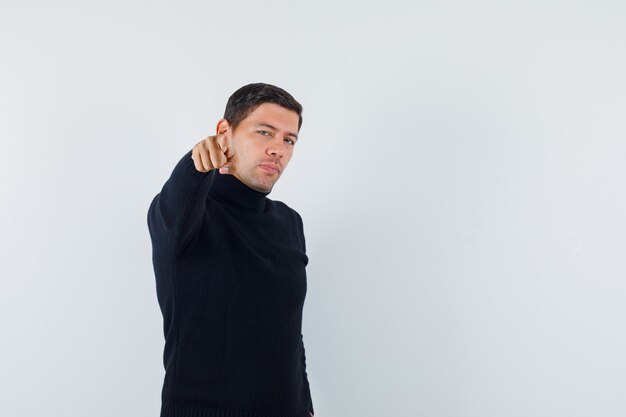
(227, 168)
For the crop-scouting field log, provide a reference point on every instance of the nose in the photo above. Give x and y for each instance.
(277, 147)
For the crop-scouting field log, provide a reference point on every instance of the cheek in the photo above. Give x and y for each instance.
(249, 155)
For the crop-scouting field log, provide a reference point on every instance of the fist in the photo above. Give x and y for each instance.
(214, 152)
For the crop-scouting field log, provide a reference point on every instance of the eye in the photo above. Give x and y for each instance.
(263, 132)
(291, 140)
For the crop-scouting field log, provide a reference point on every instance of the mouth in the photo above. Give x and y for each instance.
(270, 168)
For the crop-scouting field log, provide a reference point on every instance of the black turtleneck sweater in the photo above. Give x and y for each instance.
(231, 283)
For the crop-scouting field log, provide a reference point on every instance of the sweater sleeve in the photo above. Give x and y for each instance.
(175, 213)
(306, 380)
(305, 376)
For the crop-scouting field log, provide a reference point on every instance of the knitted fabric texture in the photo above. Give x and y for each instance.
(231, 282)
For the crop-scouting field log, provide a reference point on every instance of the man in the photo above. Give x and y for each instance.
(230, 268)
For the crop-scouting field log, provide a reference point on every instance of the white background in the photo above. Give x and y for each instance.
(460, 173)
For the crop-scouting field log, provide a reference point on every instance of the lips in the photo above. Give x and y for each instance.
(270, 167)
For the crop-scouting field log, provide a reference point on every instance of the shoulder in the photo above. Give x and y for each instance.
(284, 208)
(294, 220)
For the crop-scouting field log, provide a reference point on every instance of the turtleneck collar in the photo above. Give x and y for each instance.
(228, 188)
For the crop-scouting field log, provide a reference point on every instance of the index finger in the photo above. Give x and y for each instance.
(226, 145)
(218, 158)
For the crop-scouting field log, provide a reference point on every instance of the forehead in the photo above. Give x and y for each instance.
(275, 115)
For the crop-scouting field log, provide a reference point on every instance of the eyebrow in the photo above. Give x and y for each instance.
(272, 127)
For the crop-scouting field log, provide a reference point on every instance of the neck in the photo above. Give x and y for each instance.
(231, 190)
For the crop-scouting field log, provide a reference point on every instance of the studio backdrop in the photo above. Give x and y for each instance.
(459, 172)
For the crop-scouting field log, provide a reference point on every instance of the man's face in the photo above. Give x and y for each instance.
(266, 138)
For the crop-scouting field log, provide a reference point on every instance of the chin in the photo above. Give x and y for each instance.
(267, 189)
(262, 188)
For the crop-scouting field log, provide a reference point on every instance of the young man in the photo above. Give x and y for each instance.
(230, 268)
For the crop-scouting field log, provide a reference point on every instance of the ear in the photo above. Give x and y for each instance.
(223, 127)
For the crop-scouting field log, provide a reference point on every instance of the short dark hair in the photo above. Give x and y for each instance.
(245, 100)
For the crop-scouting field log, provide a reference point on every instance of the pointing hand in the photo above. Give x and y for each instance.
(214, 152)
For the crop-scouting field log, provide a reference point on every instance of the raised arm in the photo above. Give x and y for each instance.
(175, 213)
